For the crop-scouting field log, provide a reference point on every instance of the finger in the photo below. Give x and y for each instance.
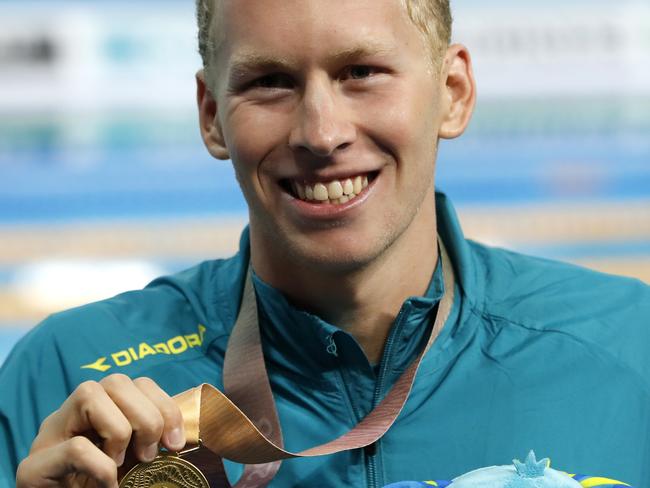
(143, 416)
(173, 436)
(88, 409)
(48, 467)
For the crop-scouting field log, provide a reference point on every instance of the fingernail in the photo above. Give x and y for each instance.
(176, 438)
(150, 452)
(119, 460)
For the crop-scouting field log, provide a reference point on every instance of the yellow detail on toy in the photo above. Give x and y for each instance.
(597, 481)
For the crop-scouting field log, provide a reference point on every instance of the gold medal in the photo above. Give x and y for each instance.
(166, 471)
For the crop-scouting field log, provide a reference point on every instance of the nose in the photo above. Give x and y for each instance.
(323, 124)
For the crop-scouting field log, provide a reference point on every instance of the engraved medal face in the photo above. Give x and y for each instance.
(165, 471)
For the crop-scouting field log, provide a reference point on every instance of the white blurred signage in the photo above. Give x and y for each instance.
(88, 56)
(82, 56)
(543, 48)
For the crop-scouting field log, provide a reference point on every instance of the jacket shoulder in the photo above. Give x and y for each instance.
(532, 284)
(180, 312)
(543, 294)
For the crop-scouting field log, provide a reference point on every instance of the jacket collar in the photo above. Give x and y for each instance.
(295, 337)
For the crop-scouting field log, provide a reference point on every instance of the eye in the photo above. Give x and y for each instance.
(272, 81)
(359, 72)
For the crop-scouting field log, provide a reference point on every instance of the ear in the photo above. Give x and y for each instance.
(459, 91)
(208, 121)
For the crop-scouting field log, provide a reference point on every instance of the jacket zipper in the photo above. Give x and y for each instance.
(371, 464)
(358, 417)
(370, 452)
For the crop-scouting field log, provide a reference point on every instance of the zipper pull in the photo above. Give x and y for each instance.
(371, 449)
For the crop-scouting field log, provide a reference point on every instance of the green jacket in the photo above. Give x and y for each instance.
(535, 355)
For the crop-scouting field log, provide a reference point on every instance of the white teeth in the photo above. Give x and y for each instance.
(357, 185)
(320, 192)
(348, 187)
(333, 192)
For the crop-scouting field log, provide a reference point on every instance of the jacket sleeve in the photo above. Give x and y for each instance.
(32, 385)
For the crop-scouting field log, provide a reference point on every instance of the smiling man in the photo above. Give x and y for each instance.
(331, 113)
(332, 127)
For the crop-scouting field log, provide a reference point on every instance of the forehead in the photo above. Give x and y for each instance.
(306, 29)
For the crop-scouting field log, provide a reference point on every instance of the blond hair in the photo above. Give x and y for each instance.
(431, 17)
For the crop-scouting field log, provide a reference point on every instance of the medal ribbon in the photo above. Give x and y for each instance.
(242, 423)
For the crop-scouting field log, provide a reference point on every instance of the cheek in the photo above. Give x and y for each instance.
(252, 135)
(404, 123)
(239, 132)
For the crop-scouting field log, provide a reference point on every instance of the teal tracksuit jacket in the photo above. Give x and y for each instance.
(534, 355)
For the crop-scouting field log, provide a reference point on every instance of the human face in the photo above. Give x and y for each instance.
(314, 92)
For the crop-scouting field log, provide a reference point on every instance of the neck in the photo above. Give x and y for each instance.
(366, 300)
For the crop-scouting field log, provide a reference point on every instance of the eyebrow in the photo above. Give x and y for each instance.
(243, 64)
(362, 51)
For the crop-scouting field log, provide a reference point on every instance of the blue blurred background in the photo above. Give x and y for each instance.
(104, 182)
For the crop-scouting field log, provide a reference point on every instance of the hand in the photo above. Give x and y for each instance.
(84, 442)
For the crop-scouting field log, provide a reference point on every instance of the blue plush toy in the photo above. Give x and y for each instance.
(528, 474)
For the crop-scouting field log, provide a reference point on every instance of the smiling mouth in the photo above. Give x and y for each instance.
(334, 192)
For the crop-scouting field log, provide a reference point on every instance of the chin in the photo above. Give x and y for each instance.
(338, 255)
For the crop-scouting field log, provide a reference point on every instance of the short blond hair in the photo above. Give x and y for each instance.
(431, 17)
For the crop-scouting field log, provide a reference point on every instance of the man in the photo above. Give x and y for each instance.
(331, 113)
